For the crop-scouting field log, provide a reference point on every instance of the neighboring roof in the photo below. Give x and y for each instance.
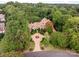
(2, 17)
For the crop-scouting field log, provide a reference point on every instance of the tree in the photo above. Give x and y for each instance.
(58, 39)
(10, 9)
(17, 35)
(57, 18)
(74, 42)
(71, 28)
(72, 23)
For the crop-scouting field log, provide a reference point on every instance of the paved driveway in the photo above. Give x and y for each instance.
(50, 54)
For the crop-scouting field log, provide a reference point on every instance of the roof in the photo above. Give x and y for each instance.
(2, 17)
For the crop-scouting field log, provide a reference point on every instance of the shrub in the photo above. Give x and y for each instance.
(71, 27)
(1, 36)
(72, 24)
(58, 39)
(74, 42)
(12, 54)
(46, 40)
(49, 26)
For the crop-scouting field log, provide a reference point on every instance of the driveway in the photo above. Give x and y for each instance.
(51, 54)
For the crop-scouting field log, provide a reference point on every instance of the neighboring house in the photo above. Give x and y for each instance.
(2, 23)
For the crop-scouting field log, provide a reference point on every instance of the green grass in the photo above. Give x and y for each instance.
(12, 54)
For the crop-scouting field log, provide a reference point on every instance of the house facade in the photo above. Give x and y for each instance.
(2, 23)
(41, 25)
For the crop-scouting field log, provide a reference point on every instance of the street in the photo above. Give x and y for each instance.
(50, 54)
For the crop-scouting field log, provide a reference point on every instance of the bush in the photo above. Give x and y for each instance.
(49, 27)
(12, 54)
(74, 42)
(71, 27)
(45, 42)
(1, 36)
(58, 39)
(72, 24)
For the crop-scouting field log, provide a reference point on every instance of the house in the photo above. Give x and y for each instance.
(2, 23)
(41, 25)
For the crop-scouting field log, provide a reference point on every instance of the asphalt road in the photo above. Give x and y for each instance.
(50, 54)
